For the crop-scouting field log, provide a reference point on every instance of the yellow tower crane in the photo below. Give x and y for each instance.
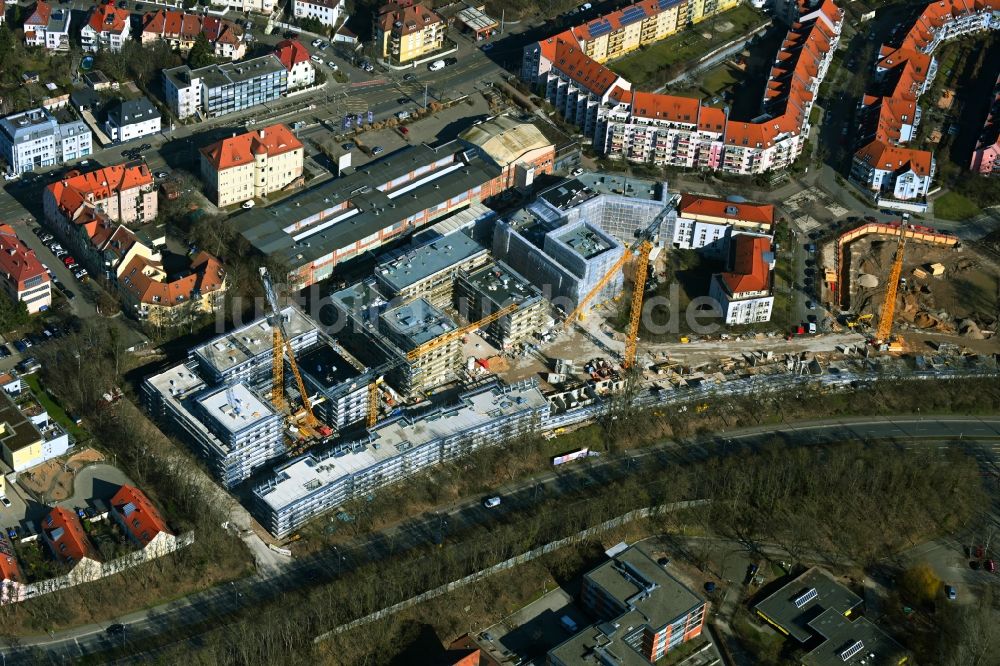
(884, 330)
(281, 345)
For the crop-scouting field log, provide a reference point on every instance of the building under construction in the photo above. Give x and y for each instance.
(496, 285)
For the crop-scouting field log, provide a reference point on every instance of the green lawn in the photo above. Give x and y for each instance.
(56, 412)
(653, 65)
(954, 206)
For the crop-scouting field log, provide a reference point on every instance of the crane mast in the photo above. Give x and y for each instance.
(884, 329)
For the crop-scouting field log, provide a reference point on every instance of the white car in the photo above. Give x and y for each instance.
(248, 204)
(436, 65)
(11, 176)
(492, 502)
(316, 58)
(332, 65)
(5, 501)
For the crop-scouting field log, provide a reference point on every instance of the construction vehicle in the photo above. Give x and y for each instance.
(304, 421)
(640, 250)
(884, 330)
(427, 347)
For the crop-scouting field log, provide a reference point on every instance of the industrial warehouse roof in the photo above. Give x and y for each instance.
(504, 139)
(315, 473)
(427, 260)
(272, 232)
(247, 342)
(243, 411)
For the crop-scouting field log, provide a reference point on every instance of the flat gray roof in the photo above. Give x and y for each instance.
(216, 76)
(249, 341)
(342, 211)
(599, 644)
(860, 641)
(244, 411)
(417, 322)
(803, 599)
(584, 241)
(327, 367)
(421, 263)
(502, 284)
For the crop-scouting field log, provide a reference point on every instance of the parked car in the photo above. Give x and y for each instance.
(69, 260)
(26, 342)
(492, 502)
(4, 351)
(81, 274)
(162, 174)
(46, 237)
(950, 592)
(5, 501)
(404, 130)
(347, 146)
(19, 346)
(12, 530)
(29, 365)
(249, 203)
(377, 150)
(73, 266)
(410, 77)
(315, 58)
(116, 629)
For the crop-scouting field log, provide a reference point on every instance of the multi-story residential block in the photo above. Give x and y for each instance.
(231, 427)
(708, 223)
(679, 131)
(744, 292)
(36, 138)
(407, 31)
(107, 27)
(28, 436)
(518, 149)
(340, 380)
(428, 271)
(258, 6)
(490, 288)
(344, 218)
(48, 27)
(296, 59)
(220, 89)
(163, 298)
(643, 613)
(251, 165)
(986, 156)
(821, 615)
(320, 481)
(412, 324)
(21, 273)
(124, 193)
(136, 515)
(132, 119)
(327, 12)
(63, 533)
(892, 174)
(181, 30)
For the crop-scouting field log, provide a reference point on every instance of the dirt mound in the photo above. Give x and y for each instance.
(868, 281)
(970, 329)
(926, 320)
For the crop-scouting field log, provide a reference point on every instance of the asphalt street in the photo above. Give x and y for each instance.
(219, 603)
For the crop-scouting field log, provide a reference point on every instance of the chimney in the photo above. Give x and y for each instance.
(262, 134)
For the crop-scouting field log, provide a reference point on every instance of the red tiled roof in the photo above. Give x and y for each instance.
(186, 27)
(9, 567)
(291, 52)
(146, 281)
(694, 204)
(39, 15)
(580, 67)
(235, 151)
(750, 271)
(77, 188)
(886, 157)
(18, 262)
(409, 17)
(138, 515)
(108, 18)
(64, 534)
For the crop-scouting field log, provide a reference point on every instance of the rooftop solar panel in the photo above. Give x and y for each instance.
(665, 4)
(633, 14)
(599, 27)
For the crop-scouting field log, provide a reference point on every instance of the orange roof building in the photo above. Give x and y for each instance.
(180, 30)
(123, 193)
(405, 31)
(137, 516)
(744, 291)
(707, 223)
(681, 131)
(252, 165)
(64, 535)
(296, 60)
(21, 273)
(165, 300)
(107, 27)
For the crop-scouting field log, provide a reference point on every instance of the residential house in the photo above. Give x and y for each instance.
(132, 119)
(123, 193)
(181, 30)
(153, 295)
(744, 292)
(21, 273)
(407, 31)
(12, 580)
(107, 27)
(28, 436)
(296, 60)
(37, 138)
(243, 6)
(63, 533)
(141, 521)
(251, 165)
(707, 223)
(326, 12)
(217, 90)
(48, 27)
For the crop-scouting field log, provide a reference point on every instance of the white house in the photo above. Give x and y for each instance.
(295, 58)
(259, 6)
(326, 12)
(132, 119)
(47, 27)
(108, 27)
(707, 223)
(744, 293)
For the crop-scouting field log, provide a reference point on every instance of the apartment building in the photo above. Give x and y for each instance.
(63, 533)
(428, 271)
(232, 428)
(708, 223)
(123, 193)
(822, 616)
(132, 119)
(411, 325)
(107, 27)
(296, 60)
(181, 30)
(384, 200)
(406, 31)
(643, 613)
(136, 515)
(677, 131)
(37, 138)
(490, 288)
(889, 172)
(327, 12)
(217, 90)
(319, 481)
(986, 156)
(340, 380)
(21, 273)
(48, 27)
(28, 436)
(251, 165)
(152, 294)
(744, 292)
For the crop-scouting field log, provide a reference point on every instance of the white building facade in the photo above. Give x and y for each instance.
(132, 119)
(34, 139)
(326, 12)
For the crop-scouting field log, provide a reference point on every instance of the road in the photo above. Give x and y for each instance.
(216, 604)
